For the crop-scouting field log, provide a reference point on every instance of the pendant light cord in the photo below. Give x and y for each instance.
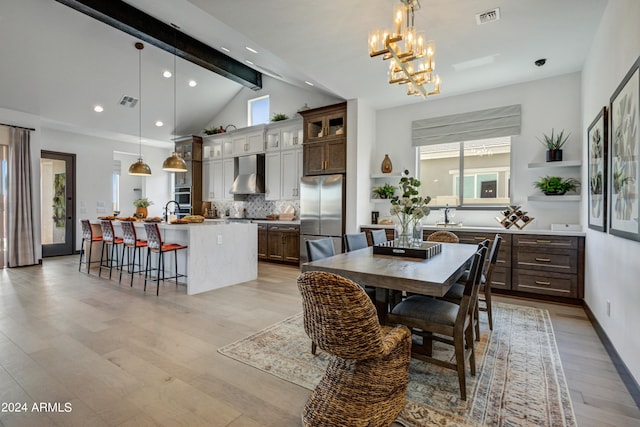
(140, 101)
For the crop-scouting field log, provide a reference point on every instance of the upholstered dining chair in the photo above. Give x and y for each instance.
(484, 295)
(320, 248)
(366, 379)
(378, 236)
(353, 242)
(438, 320)
(443, 237)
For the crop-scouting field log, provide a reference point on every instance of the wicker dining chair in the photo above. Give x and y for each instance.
(366, 379)
(443, 237)
(438, 320)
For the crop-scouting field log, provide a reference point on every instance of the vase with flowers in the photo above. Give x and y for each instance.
(409, 208)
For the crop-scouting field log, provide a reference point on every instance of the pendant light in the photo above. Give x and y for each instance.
(139, 168)
(174, 163)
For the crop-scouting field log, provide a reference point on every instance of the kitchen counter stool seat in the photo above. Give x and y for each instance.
(131, 243)
(109, 242)
(155, 244)
(87, 237)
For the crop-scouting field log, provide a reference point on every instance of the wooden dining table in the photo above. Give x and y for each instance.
(432, 276)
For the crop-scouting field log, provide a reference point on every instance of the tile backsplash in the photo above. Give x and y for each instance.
(255, 206)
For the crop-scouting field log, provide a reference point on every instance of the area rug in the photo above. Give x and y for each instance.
(519, 381)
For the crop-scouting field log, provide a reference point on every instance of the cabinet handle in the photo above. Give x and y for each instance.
(540, 282)
(479, 238)
(543, 241)
(543, 259)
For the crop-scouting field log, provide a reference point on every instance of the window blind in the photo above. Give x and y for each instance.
(483, 124)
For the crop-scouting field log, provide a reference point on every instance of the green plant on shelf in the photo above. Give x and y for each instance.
(385, 191)
(279, 116)
(555, 185)
(554, 141)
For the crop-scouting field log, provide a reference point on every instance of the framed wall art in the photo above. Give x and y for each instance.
(624, 177)
(597, 137)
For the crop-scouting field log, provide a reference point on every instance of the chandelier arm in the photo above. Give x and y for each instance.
(411, 79)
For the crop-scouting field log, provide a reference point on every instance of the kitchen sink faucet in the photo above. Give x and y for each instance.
(166, 209)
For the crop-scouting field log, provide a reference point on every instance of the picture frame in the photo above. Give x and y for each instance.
(597, 146)
(624, 146)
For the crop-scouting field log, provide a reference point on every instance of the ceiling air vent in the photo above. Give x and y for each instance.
(488, 16)
(128, 101)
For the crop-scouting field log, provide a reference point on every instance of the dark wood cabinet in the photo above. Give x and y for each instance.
(190, 149)
(324, 140)
(530, 265)
(279, 243)
(262, 241)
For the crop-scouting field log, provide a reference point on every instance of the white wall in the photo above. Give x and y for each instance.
(283, 98)
(546, 104)
(611, 263)
(94, 167)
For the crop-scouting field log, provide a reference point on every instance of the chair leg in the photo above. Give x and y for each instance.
(101, 257)
(81, 253)
(146, 269)
(470, 344)
(460, 351)
(476, 320)
(313, 347)
(88, 262)
(160, 263)
(487, 297)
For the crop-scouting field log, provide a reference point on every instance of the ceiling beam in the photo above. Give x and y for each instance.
(133, 21)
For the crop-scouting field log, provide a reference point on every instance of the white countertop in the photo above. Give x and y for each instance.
(482, 229)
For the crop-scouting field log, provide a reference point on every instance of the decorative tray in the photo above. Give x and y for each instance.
(424, 250)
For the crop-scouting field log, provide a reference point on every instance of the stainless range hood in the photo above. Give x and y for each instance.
(249, 172)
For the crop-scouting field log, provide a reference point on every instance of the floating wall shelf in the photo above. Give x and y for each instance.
(570, 198)
(563, 164)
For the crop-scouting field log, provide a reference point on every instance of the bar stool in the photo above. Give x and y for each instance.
(154, 244)
(87, 236)
(131, 242)
(109, 240)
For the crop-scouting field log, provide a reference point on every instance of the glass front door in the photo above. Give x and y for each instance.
(57, 203)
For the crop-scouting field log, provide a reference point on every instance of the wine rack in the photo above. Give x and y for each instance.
(514, 216)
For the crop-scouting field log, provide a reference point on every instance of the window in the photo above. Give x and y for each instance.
(258, 109)
(484, 166)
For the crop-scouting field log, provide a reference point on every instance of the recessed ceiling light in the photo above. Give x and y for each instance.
(193, 83)
(166, 74)
(225, 49)
(159, 123)
(309, 83)
(251, 49)
(248, 62)
(98, 109)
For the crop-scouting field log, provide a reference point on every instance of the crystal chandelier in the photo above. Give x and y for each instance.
(411, 57)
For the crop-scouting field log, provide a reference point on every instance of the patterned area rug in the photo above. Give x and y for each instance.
(519, 381)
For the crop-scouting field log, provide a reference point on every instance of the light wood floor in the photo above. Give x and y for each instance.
(124, 358)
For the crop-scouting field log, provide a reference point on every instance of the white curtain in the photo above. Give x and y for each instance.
(21, 248)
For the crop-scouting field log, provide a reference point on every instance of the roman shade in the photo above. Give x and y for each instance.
(483, 124)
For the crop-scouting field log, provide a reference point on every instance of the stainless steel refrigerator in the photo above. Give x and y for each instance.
(321, 210)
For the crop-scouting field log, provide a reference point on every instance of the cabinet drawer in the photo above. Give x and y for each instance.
(501, 278)
(559, 261)
(504, 255)
(558, 242)
(564, 285)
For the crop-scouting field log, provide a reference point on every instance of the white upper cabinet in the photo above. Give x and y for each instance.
(249, 142)
(291, 173)
(273, 175)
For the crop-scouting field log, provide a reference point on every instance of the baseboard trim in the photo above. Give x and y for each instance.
(632, 385)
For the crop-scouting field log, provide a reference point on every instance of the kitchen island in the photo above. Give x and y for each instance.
(219, 254)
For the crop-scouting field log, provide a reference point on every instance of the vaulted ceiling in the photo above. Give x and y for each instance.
(58, 63)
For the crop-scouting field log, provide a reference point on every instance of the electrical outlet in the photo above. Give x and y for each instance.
(219, 239)
(608, 308)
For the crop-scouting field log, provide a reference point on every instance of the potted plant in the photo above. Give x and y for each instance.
(385, 191)
(141, 207)
(556, 186)
(279, 116)
(213, 130)
(554, 143)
